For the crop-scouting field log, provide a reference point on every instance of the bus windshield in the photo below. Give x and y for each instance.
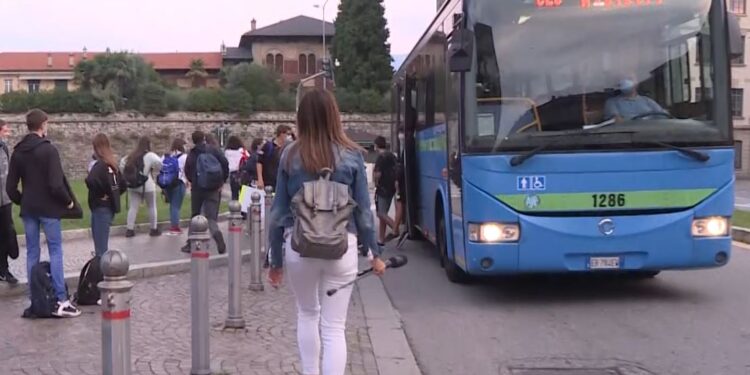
(556, 71)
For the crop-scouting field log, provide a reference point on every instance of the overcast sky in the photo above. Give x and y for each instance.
(173, 25)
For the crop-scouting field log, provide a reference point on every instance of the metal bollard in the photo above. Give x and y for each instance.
(234, 313)
(115, 294)
(256, 284)
(200, 240)
(266, 226)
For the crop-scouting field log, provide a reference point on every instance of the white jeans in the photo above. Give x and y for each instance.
(318, 315)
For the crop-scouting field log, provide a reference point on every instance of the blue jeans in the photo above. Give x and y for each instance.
(176, 197)
(101, 220)
(53, 232)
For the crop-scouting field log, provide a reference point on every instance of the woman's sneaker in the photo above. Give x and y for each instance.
(174, 231)
(66, 310)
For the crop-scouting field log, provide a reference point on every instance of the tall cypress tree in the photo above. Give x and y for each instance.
(361, 46)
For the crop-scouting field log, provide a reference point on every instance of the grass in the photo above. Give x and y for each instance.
(741, 219)
(81, 192)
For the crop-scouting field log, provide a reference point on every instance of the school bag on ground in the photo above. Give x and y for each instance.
(322, 210)
(133, 174)
(43, 299)
(209, 172)
(170, 172)
(88, 281)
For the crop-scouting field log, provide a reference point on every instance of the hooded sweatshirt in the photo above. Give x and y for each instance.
(35, 163)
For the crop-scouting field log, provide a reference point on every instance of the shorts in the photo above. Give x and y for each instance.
(383, 204)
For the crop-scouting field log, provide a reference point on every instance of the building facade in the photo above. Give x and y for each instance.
(740, 101)
(47, 71)
(293, 48)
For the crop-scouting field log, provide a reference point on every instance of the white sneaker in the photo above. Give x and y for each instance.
(99, 302)
(66, 310)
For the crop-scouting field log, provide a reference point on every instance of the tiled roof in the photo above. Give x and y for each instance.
(39, 61)
(297, 26)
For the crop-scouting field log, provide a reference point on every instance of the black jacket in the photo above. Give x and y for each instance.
(35, 163)
(192, 158)
(105, 187)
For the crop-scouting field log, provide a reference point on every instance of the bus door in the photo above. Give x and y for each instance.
(410, 157)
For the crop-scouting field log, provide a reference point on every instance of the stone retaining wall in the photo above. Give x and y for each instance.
(72, 133)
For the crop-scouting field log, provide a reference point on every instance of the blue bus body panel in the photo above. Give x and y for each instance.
(432, 159)
(561, 242)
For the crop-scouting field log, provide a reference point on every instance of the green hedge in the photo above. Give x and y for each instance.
(155, 99)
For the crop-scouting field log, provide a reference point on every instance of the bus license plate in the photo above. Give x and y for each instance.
(604, 263)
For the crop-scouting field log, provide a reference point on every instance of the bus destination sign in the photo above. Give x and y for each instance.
(604, 4)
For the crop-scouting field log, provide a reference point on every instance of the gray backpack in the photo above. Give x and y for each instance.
(322, 210)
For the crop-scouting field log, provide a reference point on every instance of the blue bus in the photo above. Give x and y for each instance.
(555, 136)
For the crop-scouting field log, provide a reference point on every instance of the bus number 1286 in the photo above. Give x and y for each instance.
(608, 200)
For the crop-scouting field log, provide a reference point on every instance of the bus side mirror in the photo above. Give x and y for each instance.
(461, 50)
(736, 45)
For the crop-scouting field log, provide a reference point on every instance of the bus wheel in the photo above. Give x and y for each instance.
(452, 270)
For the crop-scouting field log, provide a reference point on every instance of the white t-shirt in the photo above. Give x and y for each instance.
(234, 157)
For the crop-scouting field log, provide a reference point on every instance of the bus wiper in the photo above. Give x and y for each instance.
(521, 158)
(697, 155)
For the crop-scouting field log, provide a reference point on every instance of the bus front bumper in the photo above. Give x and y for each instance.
(578, 244)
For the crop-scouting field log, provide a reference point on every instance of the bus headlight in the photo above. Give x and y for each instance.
(710, 227)
(494, 232)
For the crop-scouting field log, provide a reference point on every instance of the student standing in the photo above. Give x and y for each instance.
(235, 154)
(105, 184)
(384, 176)
(35, 164)
(176, 192)
(8, 240)
(138, 170)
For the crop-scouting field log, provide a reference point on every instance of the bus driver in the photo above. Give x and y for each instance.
(629, 104)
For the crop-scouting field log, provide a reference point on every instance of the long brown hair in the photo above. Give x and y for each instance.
(319, 126)
(143, 147)
(103, 150)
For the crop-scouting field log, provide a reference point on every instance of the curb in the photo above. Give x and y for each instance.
(136, 272)
(741, 234)
(115, 231)
(393, 354)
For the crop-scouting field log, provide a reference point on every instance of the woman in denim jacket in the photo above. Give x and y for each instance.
(322, 144)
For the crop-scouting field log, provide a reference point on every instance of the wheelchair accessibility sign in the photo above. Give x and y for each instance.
(531, 183)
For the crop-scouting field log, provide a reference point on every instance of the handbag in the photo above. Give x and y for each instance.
(72, 213)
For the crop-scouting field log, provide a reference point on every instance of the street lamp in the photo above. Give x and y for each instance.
(325, 52)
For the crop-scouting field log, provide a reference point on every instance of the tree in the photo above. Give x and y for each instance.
(361, 46)
(116, 77)
(197, 73)
(254, 79)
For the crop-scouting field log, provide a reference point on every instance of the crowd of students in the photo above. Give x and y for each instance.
(285, 163)
(32, 177)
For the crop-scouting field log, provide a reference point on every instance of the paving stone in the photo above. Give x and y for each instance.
(160, 334)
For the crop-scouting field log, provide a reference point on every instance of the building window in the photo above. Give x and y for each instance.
(737, 6)
(737, 155)
(61, 84)
(34, 85)
(740, 60)
(269, 60)
(312, 64)
(279, 63)
(737, 101)
(8, 86)
(302, 64)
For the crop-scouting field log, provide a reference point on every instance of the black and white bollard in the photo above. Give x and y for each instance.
(199, 318)
(115, 294)
(256, 233)
(234, 312)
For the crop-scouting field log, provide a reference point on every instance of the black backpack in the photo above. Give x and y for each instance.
(133, 174)
(88, 281)
(43, 299)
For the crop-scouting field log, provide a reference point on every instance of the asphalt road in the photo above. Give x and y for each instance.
(742, 194)
(691, 322)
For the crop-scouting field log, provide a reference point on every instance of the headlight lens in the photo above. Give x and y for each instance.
(494, 232)
(710, 227)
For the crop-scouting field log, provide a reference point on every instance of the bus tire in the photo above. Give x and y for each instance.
(454, 273)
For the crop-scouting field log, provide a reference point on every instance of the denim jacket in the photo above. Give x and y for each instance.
(350, 170)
